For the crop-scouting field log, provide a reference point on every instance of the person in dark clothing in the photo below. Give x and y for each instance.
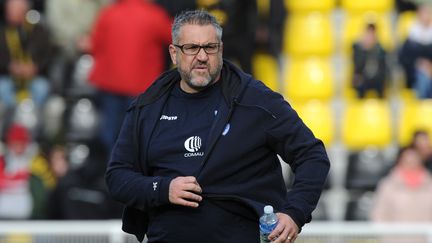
(196, 157)
(406, 5)
(239, 21)
(415, 55)
(81, 192)
(26, 53)
(269, 29)
(370, 65)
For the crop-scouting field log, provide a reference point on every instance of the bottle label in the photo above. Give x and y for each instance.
(265, 230)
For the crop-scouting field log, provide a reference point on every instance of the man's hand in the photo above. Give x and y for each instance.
(286, 231)
(185, 191)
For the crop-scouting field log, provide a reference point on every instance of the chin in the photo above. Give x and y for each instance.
(201, 82)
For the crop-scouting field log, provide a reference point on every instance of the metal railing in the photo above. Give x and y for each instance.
(109, 231)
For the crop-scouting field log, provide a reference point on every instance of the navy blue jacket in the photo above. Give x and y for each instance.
(240, 170)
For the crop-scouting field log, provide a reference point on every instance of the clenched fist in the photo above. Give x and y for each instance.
(185, 191)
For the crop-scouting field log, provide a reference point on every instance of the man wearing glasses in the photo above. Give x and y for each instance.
(196, 158)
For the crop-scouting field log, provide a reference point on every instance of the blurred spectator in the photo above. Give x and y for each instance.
(70, 22)
(423, 83)
(238, 20)
(128, 45)
(406, 5)
(370, 66)
(58, 162)
(175, 7)
(422, 143)
(405, 194)
(269, 30)
(25, 178)
(81, 193)
(416, 52)
(25, 54)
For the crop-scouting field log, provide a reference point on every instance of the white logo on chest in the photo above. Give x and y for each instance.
(193, 144)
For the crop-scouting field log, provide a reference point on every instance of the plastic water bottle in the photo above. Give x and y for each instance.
(267, 223)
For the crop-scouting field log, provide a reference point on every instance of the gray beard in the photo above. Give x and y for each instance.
(187, 78)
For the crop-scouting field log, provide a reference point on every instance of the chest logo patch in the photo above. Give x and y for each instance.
(193, 145)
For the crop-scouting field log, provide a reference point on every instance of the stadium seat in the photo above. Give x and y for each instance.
(309, 34)
(366, 123)
(319, 117)
(83, 120)
(265, 68)
(354, 25)
(365, 169)
(367, 5)
(309, 78)
(359, 206)
(310, 5)
(403, 24)
(414, 115)
(407, 95)
(320, 213)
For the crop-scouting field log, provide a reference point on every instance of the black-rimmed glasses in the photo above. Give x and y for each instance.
(193, 49)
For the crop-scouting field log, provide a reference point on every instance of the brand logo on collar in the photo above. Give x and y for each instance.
(169, 118)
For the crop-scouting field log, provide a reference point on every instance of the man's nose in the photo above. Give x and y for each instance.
(202, 55)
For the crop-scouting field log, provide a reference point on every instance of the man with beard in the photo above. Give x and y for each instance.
(196, 158)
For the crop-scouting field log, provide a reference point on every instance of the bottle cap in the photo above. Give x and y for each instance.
(268, 209)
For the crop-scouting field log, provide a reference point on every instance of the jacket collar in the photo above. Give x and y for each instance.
(234, 81)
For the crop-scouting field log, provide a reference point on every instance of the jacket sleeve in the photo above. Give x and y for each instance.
(126, 182)
(306, 155)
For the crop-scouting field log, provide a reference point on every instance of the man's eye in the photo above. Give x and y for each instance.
(210, 47)
(191, 48)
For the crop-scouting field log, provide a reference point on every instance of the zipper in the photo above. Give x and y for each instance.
(206, 157)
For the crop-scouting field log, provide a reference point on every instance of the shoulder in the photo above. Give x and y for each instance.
(256, 91)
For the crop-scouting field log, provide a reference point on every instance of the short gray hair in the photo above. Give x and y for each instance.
(198, 17)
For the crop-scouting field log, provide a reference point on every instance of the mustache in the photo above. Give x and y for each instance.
(200, 63)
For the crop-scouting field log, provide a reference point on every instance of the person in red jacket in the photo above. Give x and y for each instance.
(128, 43)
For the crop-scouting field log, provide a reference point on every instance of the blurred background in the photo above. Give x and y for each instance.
(359, 73)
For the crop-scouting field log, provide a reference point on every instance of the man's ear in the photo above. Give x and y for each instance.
(173, 53)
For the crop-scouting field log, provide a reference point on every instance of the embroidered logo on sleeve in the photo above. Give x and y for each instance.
(155, 184)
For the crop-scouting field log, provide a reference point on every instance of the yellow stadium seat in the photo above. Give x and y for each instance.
(367, 5)
(414, 115)
(366, 123)
(407, 94)
(403, 24)
(265, 68)
(309, 34)
(319, 117)
(309, 78)
(310, 5)
(355, 24)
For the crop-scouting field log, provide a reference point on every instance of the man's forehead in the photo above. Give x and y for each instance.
(194, 33)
